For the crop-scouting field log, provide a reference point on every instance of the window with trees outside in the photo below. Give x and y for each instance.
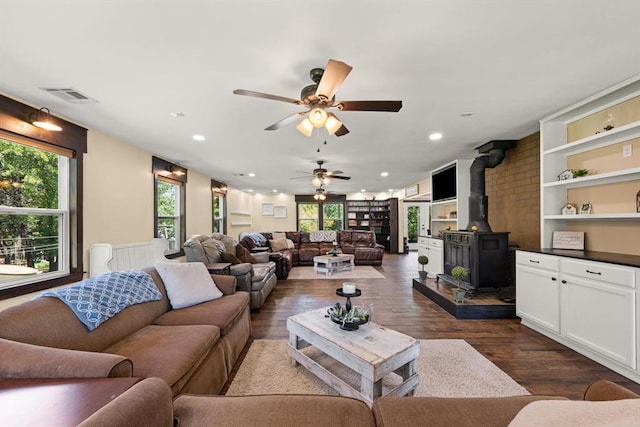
(219, 191)
(34, 212)
(324, 215)
(170, 198)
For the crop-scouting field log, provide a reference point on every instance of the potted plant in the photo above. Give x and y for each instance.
(459, 273)
(423, 260)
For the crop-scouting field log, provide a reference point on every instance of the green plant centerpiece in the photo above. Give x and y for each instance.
(577, 173)
(459, 273)
(349, 320)
(423, 260)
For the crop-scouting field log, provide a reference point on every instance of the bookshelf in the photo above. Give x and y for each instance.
(379, 216)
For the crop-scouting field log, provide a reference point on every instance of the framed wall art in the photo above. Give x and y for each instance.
(279, 211)
(568, 240)
(267, 209)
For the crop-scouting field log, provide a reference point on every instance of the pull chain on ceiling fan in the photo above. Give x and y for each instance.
(319, 97)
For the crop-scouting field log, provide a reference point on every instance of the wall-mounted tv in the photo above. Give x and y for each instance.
(443, 184)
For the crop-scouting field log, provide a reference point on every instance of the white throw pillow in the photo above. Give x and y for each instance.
(278, 245)
(290, 244)
(187, 283)
(278, 235)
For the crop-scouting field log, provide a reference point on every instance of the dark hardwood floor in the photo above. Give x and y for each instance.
(533, 360)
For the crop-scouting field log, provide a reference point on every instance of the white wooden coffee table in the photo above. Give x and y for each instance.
(372, 351)
(329, 264)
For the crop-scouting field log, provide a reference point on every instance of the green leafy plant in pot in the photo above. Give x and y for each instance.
(423, 260)
(459, 273)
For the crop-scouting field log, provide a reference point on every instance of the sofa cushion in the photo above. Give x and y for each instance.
(278, 235)
(213, 249)
(229, 242)
(187, 283)
(243, 254)
(621, 413)
(290, 244)
(222, 313)
(278, 245)
(227, 257)
(272, 410)
(172, 353)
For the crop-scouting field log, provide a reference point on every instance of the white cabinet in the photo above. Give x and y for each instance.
(432, 248)
(576, 138)
(538, 289)
(587, 305)
(451, 213)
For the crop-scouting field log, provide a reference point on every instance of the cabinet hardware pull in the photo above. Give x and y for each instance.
(534, 261)
(594, 272)
(563, 281)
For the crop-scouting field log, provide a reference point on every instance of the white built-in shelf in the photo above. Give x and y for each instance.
(602, 139)
(444, 219)
(444, 202)
(241, 213)
(588, 217)
(597, 179)
(241, 224)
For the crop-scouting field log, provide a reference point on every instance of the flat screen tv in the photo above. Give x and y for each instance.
(443, 184)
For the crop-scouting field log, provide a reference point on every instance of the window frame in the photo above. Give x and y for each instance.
(340, 199)
(72, 143)
(172, 173)
(219, 189)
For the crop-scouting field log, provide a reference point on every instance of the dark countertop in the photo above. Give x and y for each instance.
(608, 257)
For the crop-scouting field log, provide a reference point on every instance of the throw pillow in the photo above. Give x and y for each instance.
(290, 244)
(227, 257)
(277, 235)
(243, 255)
(187, 283)
(278, 245)
(213, 249)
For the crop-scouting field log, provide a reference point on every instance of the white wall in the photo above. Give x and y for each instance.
(269, 222)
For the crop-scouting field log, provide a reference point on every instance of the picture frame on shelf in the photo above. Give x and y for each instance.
(569, 209)
(585, 208)
(566, 174)
(568, 240)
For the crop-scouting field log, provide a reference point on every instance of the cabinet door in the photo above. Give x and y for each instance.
(436, 258)
(538, 296)
(601, 317)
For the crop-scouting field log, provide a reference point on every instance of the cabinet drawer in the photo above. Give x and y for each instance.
(600, 272)
(548, 262)
(436, 243)
(423, 240)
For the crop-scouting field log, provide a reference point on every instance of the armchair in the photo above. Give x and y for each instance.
(256, 276)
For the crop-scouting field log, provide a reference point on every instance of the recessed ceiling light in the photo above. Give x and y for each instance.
(198, 137)
(251, 174)
(274, 191)
(177, 114)
(391, 190)
(384, 174)
(363, 190)
(250, 190)
(435, 136)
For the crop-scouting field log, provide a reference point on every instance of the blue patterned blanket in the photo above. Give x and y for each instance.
(99, 298)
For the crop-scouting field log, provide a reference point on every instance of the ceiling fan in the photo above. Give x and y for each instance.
(322, 176)
(320, 97)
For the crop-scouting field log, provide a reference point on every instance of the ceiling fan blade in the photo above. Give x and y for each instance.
(347, 178)
(334, 74)
(266, 96)
(285, 121)
(342, 131)
(334, 173)
(389, 106)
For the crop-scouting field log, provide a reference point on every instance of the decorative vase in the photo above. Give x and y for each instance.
(458, 294)
(423, 275)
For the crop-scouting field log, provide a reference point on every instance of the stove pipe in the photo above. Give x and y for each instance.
(493, 155)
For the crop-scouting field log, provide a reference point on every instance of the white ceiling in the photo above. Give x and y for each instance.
(510, 62)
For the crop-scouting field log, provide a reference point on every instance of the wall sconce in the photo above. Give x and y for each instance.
(42, 119)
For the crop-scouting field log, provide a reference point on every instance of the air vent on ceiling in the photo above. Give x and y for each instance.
(70, 95)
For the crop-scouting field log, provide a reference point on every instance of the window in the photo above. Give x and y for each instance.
(34, 207)
(170, 202)
(219, 191)
(40, 202)
(325, 215)
(308, 216)
(332, 216)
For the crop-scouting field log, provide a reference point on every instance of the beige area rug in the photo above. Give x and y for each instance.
(446, 368)
(359, 272)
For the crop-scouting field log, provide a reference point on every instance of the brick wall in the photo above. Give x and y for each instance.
(513, 188)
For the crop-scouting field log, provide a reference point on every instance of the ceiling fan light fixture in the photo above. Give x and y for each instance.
(317, 117)
(332, 124)
(326, 180)
(317, 182)
(305, 127)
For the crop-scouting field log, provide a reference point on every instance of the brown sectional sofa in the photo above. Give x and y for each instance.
(361, 244)
(193, 349)
(148, 403)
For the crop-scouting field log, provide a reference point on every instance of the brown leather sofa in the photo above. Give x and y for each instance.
(148, 403)
(192, 349)
(361, 244)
